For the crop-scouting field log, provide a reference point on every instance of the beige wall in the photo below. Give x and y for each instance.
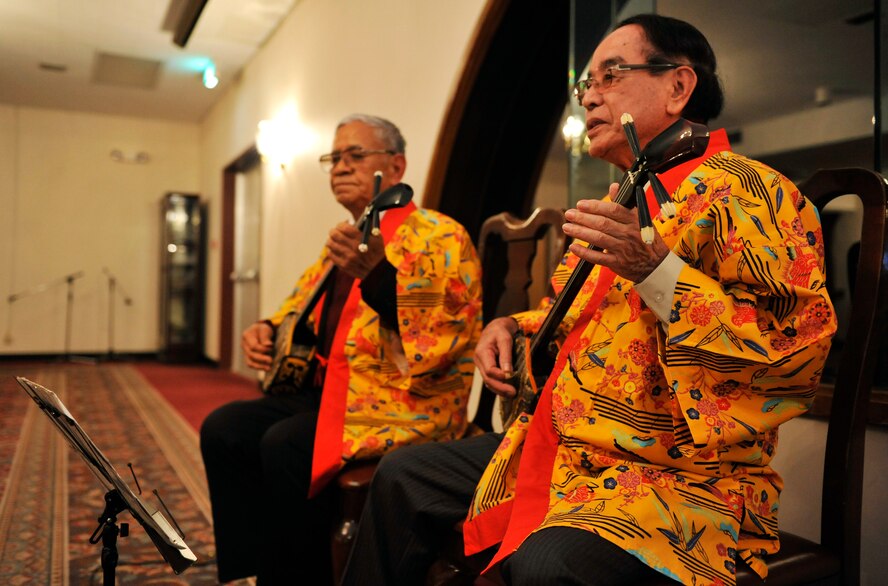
(66, 206)
(395, 58)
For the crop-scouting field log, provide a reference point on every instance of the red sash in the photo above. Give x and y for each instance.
(327, 456)
(518, 517)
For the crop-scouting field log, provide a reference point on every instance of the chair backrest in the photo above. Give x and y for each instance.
(844, 461)
(508, 247)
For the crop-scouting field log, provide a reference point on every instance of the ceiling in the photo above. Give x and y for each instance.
(774, 55)
(114, 56)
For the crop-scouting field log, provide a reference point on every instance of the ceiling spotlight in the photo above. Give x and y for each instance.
(209, 77)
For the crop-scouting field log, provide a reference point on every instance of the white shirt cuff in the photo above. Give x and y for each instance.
(658, 289)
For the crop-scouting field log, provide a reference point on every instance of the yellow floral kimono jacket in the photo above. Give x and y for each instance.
(381, 389)
(658, 437)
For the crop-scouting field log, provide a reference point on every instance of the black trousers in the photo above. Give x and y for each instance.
(258, 456)
(417, 495)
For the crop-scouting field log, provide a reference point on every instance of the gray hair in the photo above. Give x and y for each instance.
(386, 131)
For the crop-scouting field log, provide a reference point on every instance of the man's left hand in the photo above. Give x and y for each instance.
(343, 246)
(615, 229)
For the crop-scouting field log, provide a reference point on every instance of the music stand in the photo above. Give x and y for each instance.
(118, 498)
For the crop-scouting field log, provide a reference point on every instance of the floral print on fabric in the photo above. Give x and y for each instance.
(666, 431)
(411, 386)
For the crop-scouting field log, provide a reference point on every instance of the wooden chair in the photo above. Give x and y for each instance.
(504, 236)
(836, 559)
(507, 249)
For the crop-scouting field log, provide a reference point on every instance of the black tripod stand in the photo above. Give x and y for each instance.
(107, 532)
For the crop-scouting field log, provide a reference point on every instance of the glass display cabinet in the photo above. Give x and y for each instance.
(181, 278)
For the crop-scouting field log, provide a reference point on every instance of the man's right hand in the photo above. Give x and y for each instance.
(493, 355)
(257, 342)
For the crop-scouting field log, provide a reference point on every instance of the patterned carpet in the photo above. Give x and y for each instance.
(50, 501)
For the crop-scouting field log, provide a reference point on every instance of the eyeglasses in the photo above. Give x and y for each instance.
(351, 155)
(607, 79)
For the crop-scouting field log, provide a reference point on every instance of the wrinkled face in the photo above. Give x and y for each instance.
(351, 179)
(641, 93)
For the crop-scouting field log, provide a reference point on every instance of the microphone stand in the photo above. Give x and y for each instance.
(69, 305)
(112, 282)
(69, 316)
(69, 311)
(112, 288)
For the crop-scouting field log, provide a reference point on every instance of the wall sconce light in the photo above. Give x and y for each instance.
(271, 142)
(283, 137)
(135, 158)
